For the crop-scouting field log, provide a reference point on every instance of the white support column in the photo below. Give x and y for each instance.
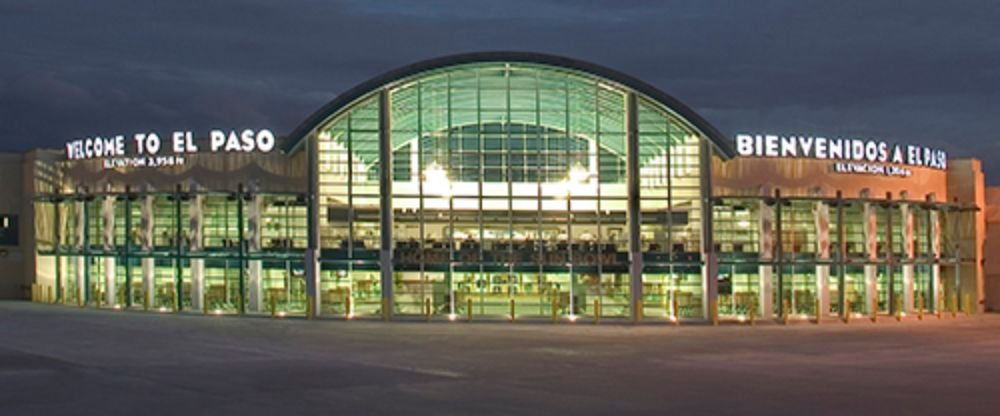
(766, 271)
(146, 235)
(255, 299)
(822, 217)
(935, 219)
(909, 245)
(195, 211)
(108, 237)
(312, 254)
(710, 269)
(81, 262)
(871, 247)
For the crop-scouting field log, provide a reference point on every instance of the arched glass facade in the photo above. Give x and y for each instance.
(510, 189)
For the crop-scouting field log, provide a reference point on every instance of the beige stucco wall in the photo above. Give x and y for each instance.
(745, 176)
(991, 249)
(966, 186)
(272, 172)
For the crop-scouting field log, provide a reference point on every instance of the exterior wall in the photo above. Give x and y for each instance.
(13, 259)
(745, 176)
(271, 172)
(991, 262)
(932, 228)
(966, 188)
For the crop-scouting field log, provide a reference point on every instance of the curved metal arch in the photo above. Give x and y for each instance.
(295, 138)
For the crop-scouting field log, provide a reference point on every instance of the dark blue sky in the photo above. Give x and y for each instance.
(924, 72)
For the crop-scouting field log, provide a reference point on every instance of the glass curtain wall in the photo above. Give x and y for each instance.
(737, 235)
(509, 195)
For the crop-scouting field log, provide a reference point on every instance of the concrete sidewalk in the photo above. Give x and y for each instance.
(63, 360)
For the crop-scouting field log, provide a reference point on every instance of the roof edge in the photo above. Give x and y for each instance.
(294, 139)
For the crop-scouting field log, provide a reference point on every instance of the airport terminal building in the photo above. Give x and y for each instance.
(498, 186)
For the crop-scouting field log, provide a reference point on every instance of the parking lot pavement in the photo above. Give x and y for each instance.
(62, 360)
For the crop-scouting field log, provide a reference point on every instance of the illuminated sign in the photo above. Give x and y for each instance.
(149, 150)
(858, 156)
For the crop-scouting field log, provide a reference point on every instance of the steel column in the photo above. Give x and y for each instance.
(385, 200)
(710, 268)
(634, 219)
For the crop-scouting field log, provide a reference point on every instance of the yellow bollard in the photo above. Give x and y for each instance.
(468, 308)
(513, 314)
(50, 291)
(968, 304)
(675, 311)
(64, 299)
(97, 296)
(819, 313)
(311, 307)
(348, 306)
(385, 309)
(847, 310)
(555, 309)
(920, 307)
(597, 311)
(427, 309)
(899, 309)
(954, 305)
(752, 310)
(274, 305)
(34, 292)
(785, 311)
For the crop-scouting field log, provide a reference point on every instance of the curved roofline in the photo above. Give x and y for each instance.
(720, 141)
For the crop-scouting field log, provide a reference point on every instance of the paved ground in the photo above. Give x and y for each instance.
(60, 360)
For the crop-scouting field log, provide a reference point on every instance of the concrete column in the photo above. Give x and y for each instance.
(909, 245)
(633, 208)
(871, 248)
(146, 236)
(80, 244)
(765, 269)
(108, 237)
(255, 299)
(822, 218)
(710, 269)
(195, 221)
(936, 289)
(312, 253)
